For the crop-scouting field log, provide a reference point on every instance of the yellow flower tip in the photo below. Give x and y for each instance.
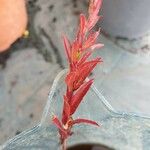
(26, 34)
(78, 55)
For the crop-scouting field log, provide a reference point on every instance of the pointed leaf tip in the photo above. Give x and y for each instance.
(67, 47)
(99, 45)
(77, 121)
(66, 110)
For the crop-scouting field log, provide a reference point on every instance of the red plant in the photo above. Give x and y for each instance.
(78, 53)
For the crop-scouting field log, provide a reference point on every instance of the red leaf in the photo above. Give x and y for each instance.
(91, 63)
(76, 78)
(77, 98)
(84, 57)
(94, 6)
(99, 45)
(91, 39)
(84, 70)
(98, 4)
(66, 110)
(81, 31)
(92, 21)
(67, 47)
(59, 125)
(77, 121)
(70, 79)
(82, 23)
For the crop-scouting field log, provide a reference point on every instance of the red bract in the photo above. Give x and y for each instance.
(94, 8)
(80, 66)
(75, 78)
(90, 41)
(77, 121)
(78, 96)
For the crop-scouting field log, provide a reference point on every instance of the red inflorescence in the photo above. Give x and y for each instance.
(78, 53)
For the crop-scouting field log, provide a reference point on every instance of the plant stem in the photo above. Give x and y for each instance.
(64, 145)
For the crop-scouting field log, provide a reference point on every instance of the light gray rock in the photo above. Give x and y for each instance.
(123, 78)
(119, 132)
(126, 18)
(140, 46)
(24, 85)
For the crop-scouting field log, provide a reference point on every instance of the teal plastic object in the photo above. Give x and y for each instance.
(118, 130)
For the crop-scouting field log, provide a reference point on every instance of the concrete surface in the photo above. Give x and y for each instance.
(126, 18)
